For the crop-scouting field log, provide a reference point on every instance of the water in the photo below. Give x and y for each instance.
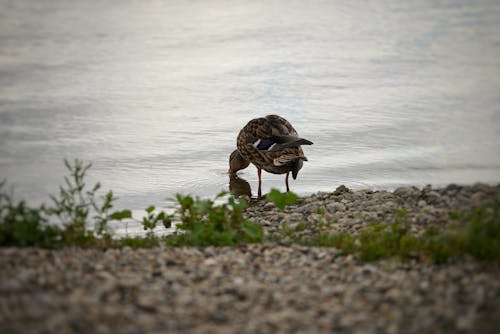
(153, 93)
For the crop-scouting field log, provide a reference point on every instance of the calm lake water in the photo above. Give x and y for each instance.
(153, 93)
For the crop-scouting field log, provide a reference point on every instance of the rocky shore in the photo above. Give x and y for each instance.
(349, 211)
(262, 288)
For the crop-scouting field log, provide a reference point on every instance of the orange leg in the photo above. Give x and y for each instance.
(259, 192)
(286, 181)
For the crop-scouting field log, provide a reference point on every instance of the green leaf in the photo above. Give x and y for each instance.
(281, 199)
(167, 221)
(119, 215)
(222, 194)
(185, 201)
(160, 216)
(150, 209)
(97, 186)
(253, 231)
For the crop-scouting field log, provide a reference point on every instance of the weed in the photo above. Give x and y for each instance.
(321, 210)
(383, 240)
(74, 206)
(75, 203)
(301, 227)
(152, 219)
(437, 245)
(343, 241)
(281, 200)
(474, 233)
(138, 242)
(23, 226)
(204, 223)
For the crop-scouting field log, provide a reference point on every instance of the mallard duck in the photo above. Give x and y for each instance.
(270, 143)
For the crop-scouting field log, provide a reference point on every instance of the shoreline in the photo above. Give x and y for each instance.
(262, 288)
(344, 210)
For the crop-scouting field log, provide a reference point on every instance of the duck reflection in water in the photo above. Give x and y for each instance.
(270, 143)
(239, 186)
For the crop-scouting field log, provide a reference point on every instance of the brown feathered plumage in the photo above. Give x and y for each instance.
(270, 143)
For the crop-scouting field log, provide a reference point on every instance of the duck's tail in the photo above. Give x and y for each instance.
(297, 162)
(296, 167)
(282, 142)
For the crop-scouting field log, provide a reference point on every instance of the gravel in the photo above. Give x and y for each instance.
(264, 288)
(349, 211)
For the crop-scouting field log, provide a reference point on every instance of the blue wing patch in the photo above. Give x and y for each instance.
(264, 144)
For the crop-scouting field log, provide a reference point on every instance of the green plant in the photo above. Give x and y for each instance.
(321, 210)
(474, 233)
(383, 240)
(23, 226)
(75, 203)
(343, 241)
(151, 220)
(437, 246)
(137, 242)
(75, 206)
(281, 200)
(204, 223)
(477, 232)
(220, 222)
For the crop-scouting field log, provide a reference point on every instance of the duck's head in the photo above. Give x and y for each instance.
(237, 162)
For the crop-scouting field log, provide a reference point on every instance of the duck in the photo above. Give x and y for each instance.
(272, 144)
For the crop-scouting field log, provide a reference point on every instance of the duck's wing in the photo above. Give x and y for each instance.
(272, 133)
(280, 126)
(281, 142)
(293, 158)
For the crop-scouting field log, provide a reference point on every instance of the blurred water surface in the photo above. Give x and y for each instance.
(153, 93)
